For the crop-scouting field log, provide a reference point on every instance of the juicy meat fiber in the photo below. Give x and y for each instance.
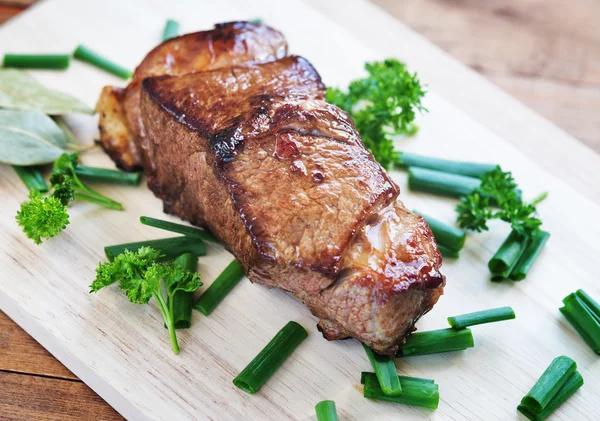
(226, 45)
(254, 153)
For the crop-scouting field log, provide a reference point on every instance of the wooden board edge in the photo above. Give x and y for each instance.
(30, 325)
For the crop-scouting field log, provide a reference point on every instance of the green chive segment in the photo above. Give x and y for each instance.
(481, 317)
(37, 61)
(171, 29)
(169, 247)
(446, 235)
(403, 379)
(446, 252)
(583, 313)
(386, 372)
(219, 289)
(469, 169)
(178, 228)
(108, 176)
(441, 183)
(555, 376)
(85, 54)
(506, 258)
(417, 393)
(181, 302)
(32, 178)
(326, 411)
(262, 367)
(564, 393)
(436, 341)
(530, 254)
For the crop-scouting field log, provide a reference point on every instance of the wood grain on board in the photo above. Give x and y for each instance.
(544, 52)
(61, 401)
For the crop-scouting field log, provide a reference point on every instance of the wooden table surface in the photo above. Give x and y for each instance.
(546, 55)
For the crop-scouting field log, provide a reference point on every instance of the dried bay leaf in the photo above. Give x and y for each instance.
(20, 91)
(29, 138)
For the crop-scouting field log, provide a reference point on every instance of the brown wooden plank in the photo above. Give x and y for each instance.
(19, 352)
(24, 397)
(543, 52)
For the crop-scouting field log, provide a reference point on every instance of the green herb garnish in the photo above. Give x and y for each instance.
(171, 29)
(45, 217)
(498, 188)
(386, 373)
(382, 105)
(140, 275)
(547, 386)
(37, 61)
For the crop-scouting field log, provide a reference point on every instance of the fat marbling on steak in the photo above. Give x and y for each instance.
(226, 45)
(245, 145)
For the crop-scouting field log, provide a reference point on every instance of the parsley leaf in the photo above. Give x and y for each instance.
(498, 188)
(46, 217)
(139, 274)
(42, 217)
(382, 105)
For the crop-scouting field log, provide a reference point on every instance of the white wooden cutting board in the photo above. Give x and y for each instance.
(121, 350)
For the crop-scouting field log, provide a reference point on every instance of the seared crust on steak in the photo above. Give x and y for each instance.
(227, 44)
(249, 149)
(286, 183)
(293, 165)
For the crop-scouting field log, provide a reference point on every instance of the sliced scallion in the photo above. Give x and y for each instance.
(32, 178)
(262, 367)
(481, 317)
(85, 54)
(469, 169)
(413, 393)
(108, 176)
(169, 247)
(436, 341)
(386, 372)
(326, 411)
(530, 254)
(555, 376)
(37, 61)
(178, 228)
(219, 289)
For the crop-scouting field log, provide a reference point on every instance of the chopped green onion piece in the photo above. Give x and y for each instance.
(436, 341)
(386, 372)
(441, 183)
(181, 302)
(403, 379)
(531, 253)
(413, 393)
(469, 169)
(171, 29)
(326, 411)
(592, 304)
(481, 317)
(85, 54)
(108, 176)
(270, 358)
(446, 252)
(507, 256)
(169, 247)
(32, 178)
(555, 376)
(257, 20)
(37, 61)
(583, 320)
(222, 286)
(446, 235)
(564, 393)
(178, 228)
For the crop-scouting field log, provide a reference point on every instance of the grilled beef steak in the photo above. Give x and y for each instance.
(255, 154)
(226, 45)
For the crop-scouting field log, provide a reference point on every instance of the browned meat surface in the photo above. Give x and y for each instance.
(227, 44)
(281, 177)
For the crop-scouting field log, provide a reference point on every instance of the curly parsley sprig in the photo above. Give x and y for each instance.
(498, 197)
(140, 275)
(382, 105)
(45, 217)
